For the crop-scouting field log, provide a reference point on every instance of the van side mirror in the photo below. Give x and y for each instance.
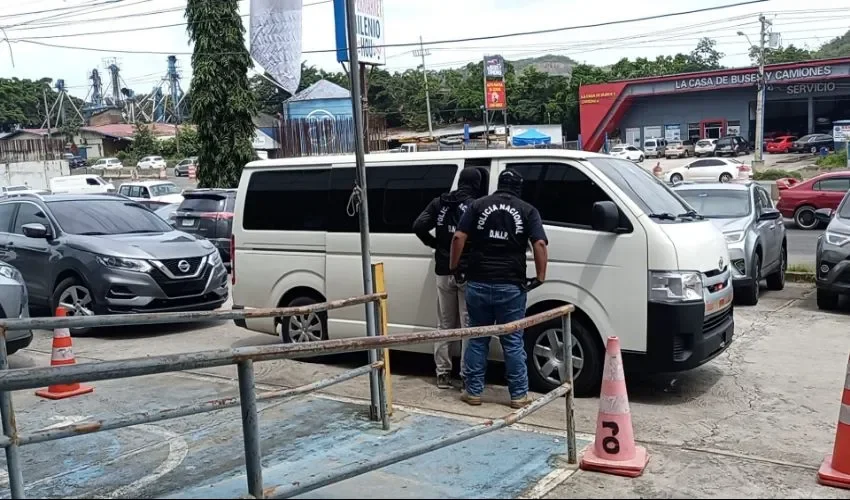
(604, 216)
(770, 214)
(35, 230)
(824, 215)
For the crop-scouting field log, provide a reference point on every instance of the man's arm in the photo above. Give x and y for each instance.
(458, 242)
(427, 221)
(539, 244)
(464, 227)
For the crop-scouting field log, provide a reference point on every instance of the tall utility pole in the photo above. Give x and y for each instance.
(762, 87)
(422, 52)
(363, 212)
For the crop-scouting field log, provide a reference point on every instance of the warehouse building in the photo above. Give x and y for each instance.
(801, 98)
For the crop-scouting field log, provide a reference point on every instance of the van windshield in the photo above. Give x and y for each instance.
(650, 194)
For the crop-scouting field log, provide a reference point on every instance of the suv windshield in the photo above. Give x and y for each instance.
(164, 189)
(100, 217)
(718, 203)
(643, 188)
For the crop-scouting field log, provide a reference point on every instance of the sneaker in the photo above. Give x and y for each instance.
(520, 402)
(469, 399)
(444, 381)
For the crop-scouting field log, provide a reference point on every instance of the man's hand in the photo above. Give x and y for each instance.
(458, 242)
(532, 283)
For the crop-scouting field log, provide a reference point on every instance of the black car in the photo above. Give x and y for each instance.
(74, 161)
(732, 145)
(208, 213)
(812, 143)
(832, 255)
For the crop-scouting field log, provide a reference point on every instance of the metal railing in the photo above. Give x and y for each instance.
(244, 358)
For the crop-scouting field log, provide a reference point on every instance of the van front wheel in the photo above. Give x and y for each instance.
(312, 327)
(546, 368)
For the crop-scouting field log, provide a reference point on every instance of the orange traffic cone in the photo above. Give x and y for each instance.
(63, 354)
(614, 450)
(835, 470)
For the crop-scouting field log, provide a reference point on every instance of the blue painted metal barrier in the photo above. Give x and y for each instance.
(244, 358)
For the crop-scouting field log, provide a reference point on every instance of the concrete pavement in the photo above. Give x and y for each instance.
(756, 421)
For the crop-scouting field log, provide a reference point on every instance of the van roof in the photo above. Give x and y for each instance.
(306, 161)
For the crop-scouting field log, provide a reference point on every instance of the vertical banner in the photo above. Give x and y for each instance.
(495, 90)
(370, 31)
(276, 40)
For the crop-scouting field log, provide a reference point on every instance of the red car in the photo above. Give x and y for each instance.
(781, 144)
(799, 200)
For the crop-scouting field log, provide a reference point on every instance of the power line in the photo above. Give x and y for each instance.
(57, 9)
(441, 42)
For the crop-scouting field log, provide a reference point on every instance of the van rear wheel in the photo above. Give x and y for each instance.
(544, 346)
(312, 327)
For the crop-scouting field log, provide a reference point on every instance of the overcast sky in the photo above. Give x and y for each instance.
(405, 21)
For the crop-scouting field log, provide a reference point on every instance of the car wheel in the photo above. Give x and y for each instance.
(311, 327)
(814, 150)
(77, 299)
(725, 177)
(676, 178)
(776, 280)
(750, 295)
(827, 300)
(640, 159)
(805, 218)
(544, 349)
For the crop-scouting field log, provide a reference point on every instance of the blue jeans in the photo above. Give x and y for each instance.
(495, 304)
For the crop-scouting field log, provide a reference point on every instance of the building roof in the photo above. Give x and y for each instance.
(115, 130)
(322, 89)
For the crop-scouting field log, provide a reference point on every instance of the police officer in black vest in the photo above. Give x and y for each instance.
(499, 229)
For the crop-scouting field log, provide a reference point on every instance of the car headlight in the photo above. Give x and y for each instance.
(675, 286)
(214, 259)
(837, 239)
(734, 236)
(11, 273)
(137, 265)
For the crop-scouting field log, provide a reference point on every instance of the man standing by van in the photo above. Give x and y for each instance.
(443, 215)
(499, 229)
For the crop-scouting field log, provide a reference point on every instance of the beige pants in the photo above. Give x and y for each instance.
(451, 313)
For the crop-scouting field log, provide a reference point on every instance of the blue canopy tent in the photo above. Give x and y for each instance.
(531, 137)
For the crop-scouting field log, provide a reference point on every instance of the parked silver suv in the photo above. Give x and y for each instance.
(102, 254)
(754, 230)
(14, 303)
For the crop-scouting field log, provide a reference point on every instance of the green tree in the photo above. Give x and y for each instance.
(222, 102)
(787, 54)
(144, 144)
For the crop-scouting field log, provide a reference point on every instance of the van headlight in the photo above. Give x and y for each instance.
(675, 286)
(123, 264)
(734, 236)
(837, 239)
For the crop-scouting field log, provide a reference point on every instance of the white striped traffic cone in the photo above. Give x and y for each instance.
(63, 354)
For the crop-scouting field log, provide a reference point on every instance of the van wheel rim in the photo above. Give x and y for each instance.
(305, 328)
(548, 357)
(77, 301)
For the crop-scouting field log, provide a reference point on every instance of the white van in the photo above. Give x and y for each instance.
(655, 148)
(80, 184)
(622, 247)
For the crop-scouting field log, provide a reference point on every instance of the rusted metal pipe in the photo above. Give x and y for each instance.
(29, 378)
(181, 317)
(250, 428)
(360, 467)
(10, 429)
(92, 426)
(567, 330)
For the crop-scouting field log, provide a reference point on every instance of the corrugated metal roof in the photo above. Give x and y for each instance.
(322, 89)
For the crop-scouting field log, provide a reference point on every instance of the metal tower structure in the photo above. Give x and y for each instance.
(165, 103)
(56, 115)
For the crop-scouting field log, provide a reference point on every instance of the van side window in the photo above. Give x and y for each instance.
(561, 193)
(288, 200)
(7, 210)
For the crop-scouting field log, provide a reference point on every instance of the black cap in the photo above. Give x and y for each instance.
(510, 180)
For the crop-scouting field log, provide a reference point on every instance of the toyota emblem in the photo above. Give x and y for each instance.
(183, 266)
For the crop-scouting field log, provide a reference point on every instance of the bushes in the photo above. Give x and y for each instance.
(833, 160)
(773, 174)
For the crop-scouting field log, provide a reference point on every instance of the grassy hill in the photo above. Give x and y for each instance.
(550, 63)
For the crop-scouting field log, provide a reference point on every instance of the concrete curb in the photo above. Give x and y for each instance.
(800, 276)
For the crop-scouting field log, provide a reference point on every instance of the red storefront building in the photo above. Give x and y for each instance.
(801, 98)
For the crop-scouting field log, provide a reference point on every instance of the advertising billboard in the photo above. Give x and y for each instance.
(370, 31)
(495, 98)
(494, 67)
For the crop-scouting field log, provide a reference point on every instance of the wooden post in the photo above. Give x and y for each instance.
(383, 325)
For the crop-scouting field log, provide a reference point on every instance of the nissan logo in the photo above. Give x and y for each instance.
(183, 266)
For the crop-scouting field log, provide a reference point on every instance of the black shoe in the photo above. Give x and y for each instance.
(444, 381)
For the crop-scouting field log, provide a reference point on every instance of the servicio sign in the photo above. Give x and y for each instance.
(370, 31)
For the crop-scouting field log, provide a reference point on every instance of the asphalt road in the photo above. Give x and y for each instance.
(801, 244)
